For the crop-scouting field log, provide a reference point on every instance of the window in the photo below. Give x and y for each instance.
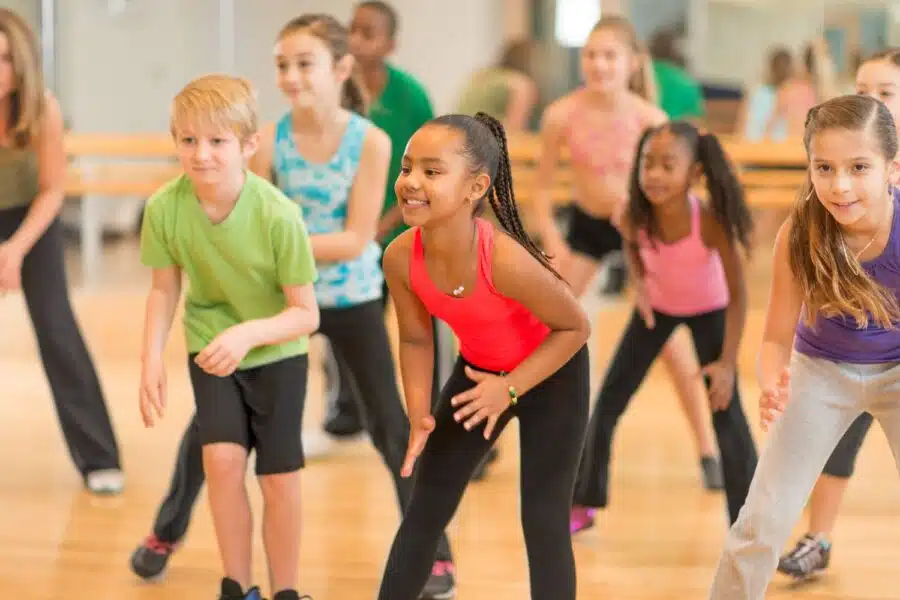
(574, 21)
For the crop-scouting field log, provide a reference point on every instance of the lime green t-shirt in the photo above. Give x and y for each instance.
(236, 268)
(680, 96)
(401, 109)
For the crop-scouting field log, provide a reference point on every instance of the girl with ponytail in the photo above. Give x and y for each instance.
(333, 163)
(684, 254)
(522, 339)
(599, 125)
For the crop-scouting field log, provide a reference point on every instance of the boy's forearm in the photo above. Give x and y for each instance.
(290, 324)
(160, 313)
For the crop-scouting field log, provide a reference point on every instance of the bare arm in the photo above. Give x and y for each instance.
(299, 317)
(552, 128)
(414, 323)
(261, 162)
(165, 290)
(522, 98)
(519, 276)
(51, 156)
(782, 315)
(364, 206)
(716, 238)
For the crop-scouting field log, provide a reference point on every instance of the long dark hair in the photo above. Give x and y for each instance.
(726, 194)
(486, 150)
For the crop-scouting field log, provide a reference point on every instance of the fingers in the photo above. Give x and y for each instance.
(467, 409)
(417, 441)
(480, 415)
(491, 424)
(474, 375)
(216, 360)
(466, 396)
(146, 411)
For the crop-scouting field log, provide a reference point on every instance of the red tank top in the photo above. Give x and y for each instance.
(495, 333)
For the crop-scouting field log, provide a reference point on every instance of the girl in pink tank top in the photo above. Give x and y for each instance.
(685, 258)
(522, 336)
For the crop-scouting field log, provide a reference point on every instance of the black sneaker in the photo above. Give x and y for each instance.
(712, 473)
(231, 590)
(149, 560)
(290, 595)
(808, 558)
(441, 584)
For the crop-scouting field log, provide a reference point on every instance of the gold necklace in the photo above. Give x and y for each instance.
(875, 235)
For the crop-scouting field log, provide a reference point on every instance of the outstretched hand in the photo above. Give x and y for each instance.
(418, 435)
(774, 400)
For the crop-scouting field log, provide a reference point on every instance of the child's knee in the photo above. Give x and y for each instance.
(224, 461)
(279, 486)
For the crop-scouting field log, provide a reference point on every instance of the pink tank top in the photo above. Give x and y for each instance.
(684, 278)
(495, 333)
(607, 150)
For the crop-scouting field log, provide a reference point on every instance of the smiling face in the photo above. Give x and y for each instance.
(436, 180)
(607, 61)
(850, 175)
(307, 73)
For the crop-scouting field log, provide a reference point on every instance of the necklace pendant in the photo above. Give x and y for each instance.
(458, 291)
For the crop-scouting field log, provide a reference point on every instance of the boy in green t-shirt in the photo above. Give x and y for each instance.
(249, 311)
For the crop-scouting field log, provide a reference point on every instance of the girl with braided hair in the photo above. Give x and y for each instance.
(522, 338)
(684, 254)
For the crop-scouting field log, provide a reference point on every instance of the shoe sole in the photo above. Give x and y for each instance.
(448, 595)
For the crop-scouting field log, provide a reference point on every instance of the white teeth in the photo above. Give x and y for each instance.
(416, 202)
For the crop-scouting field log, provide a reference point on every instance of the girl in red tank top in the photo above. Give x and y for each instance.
(522, 341)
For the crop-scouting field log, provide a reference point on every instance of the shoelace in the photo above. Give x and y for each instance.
(808, 551)
(442, 568)
(158, 546)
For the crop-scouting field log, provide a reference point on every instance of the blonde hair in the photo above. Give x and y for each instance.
(27, 99)
(833, 281)
(221, 102)
(336, 36)
(642, 81)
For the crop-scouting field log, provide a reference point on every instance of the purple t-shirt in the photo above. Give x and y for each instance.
(839, 338)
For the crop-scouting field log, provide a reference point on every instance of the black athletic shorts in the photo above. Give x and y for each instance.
(591, 236)
(260, 408)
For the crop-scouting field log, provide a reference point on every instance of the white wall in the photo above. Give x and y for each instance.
(119, 72)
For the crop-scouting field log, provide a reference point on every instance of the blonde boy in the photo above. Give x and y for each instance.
(248, 313)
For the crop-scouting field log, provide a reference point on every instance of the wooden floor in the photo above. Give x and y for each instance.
(659, 540)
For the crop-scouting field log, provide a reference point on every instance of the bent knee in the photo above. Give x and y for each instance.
(224, 460)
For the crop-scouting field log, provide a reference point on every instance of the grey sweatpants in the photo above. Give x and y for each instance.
(826, 397)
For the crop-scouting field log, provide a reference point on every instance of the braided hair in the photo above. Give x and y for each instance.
(486, 150)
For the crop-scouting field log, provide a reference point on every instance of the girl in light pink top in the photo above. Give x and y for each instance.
(684, 255)
(599, 125)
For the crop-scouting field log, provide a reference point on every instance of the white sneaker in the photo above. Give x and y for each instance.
(317, 444)
(106, 482)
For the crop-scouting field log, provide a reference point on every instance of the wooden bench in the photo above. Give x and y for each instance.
(136, 165)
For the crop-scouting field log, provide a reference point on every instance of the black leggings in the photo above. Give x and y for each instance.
(360, 336)
(637, 350)
(80, 406)
(346, 403)
(552, 420)
(843, 459)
